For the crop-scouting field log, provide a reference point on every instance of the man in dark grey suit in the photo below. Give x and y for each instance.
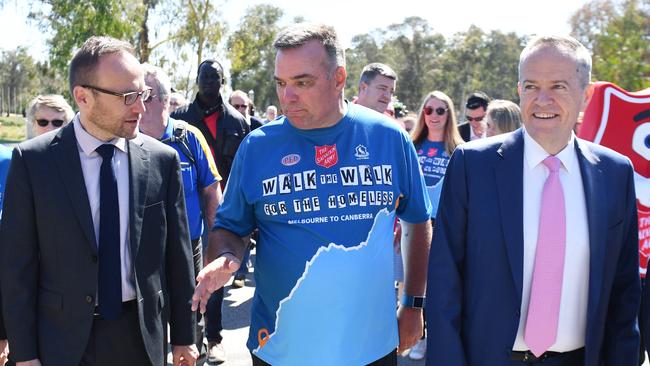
(95, 252)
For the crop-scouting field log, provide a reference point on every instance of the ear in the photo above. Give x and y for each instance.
(339, 76)
(589, 91)
(83, 97)
(362, 87)
(519, 90)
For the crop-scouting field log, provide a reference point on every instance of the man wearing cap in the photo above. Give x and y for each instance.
(474, 128)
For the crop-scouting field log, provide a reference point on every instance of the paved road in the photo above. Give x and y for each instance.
(236, 319)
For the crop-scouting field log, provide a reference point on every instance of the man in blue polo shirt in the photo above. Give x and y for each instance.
(200, 175)
(324, 198)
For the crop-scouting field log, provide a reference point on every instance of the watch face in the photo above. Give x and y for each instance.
(418, 302)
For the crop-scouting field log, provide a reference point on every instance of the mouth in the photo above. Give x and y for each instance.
(545, 115)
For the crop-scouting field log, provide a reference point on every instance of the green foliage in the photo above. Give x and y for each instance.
(71, 22)
(199, 27)
(618, 34)
(426, 61)
(251, 53)
(18, 80)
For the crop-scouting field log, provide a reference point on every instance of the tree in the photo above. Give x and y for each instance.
(619, 42)
(251, 53)
(72, 22)
(18, 82)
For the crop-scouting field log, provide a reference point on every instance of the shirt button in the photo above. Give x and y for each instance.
(518, 313)
(89, 299)
(93, 258)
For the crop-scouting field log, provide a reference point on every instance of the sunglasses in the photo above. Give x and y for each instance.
(129, 98)
(475, 119)
(240, 106)
(44, 122)
(439, 111)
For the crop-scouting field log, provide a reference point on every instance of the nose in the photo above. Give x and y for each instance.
(139, 106)
(289, 95)
(543, 98)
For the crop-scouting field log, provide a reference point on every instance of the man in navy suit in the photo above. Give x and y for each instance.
(490, 255)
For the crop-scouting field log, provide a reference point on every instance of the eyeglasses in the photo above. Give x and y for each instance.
(439, 111)
(475, 119)
(240, 106)
(150, 99)
(44, 122)
(129, 98)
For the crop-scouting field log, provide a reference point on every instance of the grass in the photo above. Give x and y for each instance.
(12, 128)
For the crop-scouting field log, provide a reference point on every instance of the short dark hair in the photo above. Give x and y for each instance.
(210, 62)
(370, 72)
(85, 61)
(299, 34)
(476, 100)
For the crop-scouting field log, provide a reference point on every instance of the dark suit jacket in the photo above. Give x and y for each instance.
(49, 258)
(475, 278)
(464, 129)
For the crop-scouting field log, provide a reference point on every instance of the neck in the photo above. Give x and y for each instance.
(435, 135)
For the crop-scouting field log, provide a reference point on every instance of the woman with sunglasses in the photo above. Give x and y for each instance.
(46, 113)
(435, 137)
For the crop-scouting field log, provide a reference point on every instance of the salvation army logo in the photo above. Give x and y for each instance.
(291, 159)
(432, 152)
(326, 156)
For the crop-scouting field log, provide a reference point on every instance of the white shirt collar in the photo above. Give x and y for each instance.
(89, 143)
(534, 153)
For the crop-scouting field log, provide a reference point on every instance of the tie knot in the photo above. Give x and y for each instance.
(552, 163)
(106, 151)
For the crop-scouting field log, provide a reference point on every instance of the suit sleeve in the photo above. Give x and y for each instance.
(446, 260)
(19, 264)
(180, 267)
(621, 341)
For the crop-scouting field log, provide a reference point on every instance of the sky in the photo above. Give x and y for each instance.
(352, 17)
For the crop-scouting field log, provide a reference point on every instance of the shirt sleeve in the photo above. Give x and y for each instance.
(236, 214)
(414, 205)
(207, 169)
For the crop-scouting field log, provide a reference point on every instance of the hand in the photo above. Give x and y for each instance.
(34, 362)
(185, 355)
(411, 325)
(4, 351)
(213, 277)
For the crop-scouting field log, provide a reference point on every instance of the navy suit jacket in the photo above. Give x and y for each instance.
(475, 278)
(48, 252)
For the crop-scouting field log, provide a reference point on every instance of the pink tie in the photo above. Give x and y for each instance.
(546, 290)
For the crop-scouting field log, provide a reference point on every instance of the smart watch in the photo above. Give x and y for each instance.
(417, 302)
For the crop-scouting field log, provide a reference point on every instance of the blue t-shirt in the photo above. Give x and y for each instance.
(313, 188)
(433, 159)
(5, 160)
(195, 177)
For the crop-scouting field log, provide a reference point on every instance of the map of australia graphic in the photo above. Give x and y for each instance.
(342, 309)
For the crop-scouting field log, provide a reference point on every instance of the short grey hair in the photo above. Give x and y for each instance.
(566, 45)
(162, 89)
(299, 34)
(371, 71)
(52, 101)
(241, 94)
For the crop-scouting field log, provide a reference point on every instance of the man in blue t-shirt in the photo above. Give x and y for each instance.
(200, 175)
(324, 198)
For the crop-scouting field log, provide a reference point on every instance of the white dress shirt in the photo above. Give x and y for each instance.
(91, 163)
(572, 323)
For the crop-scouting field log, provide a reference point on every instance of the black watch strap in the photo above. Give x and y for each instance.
(418, 302)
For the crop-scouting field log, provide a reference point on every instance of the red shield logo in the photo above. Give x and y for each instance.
(432, 152)
(326, 156)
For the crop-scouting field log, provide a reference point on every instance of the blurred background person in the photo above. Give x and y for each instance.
(409, 121)
(176, 100)
(502, 116)
(271, 114)
(435, 137)
(46, 113)
(242, 104)
(475, 108)
(377, 85)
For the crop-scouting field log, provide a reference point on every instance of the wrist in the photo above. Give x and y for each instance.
(415, 302)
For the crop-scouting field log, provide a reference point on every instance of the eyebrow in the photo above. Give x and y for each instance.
(296, 77)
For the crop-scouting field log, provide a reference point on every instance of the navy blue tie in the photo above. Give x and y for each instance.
(110, 278)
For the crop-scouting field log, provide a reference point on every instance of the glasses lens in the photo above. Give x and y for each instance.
(57, 122)
(428, 110)
(130, 98)
(475, 119)
(146, 94)
(440, 111)
(42, 122)
(148, 100)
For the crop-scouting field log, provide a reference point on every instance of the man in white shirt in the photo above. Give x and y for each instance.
(536, 240)
(475, 126)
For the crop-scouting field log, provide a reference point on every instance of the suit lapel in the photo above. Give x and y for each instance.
(509, 183)
(66, 155)
(138, 180)
(593, 185)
